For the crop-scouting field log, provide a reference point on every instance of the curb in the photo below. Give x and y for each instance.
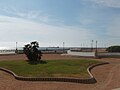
(90, 80)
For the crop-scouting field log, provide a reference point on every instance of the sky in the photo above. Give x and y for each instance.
(52, 22)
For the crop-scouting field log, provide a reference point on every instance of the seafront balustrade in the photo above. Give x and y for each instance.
(7, 51)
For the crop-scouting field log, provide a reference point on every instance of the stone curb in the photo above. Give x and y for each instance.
(90, 80)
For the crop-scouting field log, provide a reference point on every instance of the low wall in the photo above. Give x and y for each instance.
(107, 54)
(93, 54)
(7, 52)
(84, 54)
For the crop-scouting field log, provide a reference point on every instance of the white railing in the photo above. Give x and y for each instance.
(7, 51)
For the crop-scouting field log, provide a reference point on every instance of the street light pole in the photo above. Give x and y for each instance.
(16, 51)
(92, 45)
(16, 45)
(96, 49)
(96, 45)
(63, 46)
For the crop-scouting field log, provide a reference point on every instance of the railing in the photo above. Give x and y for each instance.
(7, 51)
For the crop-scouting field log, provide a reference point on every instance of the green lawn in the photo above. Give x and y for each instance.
(52, 68)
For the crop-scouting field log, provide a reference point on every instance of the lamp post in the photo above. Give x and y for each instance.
(92, 45)
(96, 49)
(63, 46)
(16, 45)
(16, 51)
(96, 45)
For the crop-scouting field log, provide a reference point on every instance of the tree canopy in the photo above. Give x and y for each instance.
(113, 49)
(32, 52)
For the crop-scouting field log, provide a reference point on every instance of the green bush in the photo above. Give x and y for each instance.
(32, 52)
(113, 49)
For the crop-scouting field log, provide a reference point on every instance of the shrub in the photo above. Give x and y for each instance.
(32, 52)
(113, 49)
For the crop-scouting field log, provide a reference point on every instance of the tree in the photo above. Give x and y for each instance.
(113, 49)
(32, 52)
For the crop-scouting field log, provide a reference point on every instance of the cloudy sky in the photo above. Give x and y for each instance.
(52, 22)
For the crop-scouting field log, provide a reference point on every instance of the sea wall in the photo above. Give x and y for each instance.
(7, 52)
(85, 54)
(93, 54)
(108, 54)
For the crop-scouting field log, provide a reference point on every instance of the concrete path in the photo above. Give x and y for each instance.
(112, 78)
